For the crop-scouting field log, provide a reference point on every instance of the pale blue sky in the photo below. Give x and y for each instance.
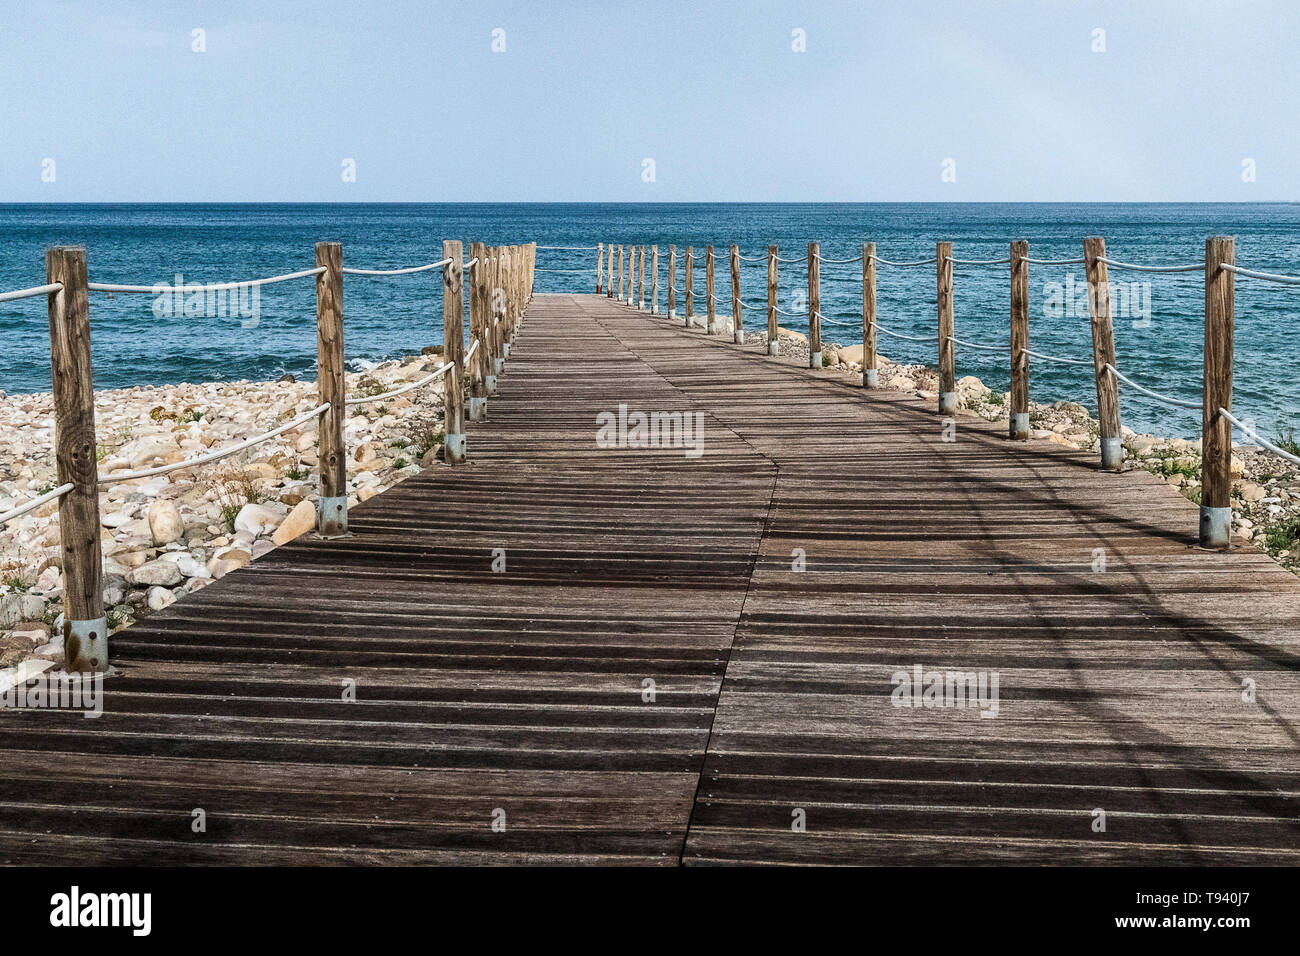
(588, 89)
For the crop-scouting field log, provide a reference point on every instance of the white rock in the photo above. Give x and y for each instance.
(257, 519)
(160, 598)
(159, 572)
(165, 523)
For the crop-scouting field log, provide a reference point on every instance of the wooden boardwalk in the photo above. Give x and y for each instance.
(520, 696)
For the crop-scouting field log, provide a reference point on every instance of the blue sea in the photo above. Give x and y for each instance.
(1158, 339)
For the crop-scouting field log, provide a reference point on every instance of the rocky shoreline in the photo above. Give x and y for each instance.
(169, 536)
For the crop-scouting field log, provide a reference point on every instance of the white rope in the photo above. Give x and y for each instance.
(575, 271)
(1255, 435)
(1193, 267)
(1055, 262)
(207, 286)
(974, 345)
(1270, 276)
(397, 272)
(29, 293)
(470, 354)
(900, 335)
(1146, 391)
(917, 262)
(1053, 358)
(216, 455)
(821, 258)
(472, 262)
(795, 259)
(839, 322)
(578, 248)
(977, 262)
(410, 387)
(35, 503)
(751, 258)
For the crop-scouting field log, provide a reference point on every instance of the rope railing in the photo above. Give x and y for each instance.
(1267, 276)
(402, 390)
(1190, 267)
(899, 335)
(1168, 400)
(29, 293)
(1055, 358)
(976, 345)
(52, 495)
(212, 457)
(207, 286)
(405, 270)
(1218, 269)
(1257, 438)
(917, 262)
(492, 323)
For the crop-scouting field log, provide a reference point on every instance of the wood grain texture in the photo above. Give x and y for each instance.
(522, 690)
(1019, 339)
(1103, 336)
(1216, 455)
(73, 390)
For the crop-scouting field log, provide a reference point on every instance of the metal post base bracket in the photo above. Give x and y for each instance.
(1112, 454)
(1020, 426)
(815, 359)
(773, 348)
(1216, 527)
(85, 645)
(491, 382)
(738, 338)
(477, 408)
(454, 448)
(871, 378)
(947, 403)
(332, 517)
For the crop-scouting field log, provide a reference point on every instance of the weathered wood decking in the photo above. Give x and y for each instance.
(522, 691)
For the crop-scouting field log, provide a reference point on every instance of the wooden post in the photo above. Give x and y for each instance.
(640, 281)
(737, 319)
(654, 280)
(332, 508)
(1018, 419)
(622, 267)
(498, 316)
(609, 280)
(631, 277)
(1103, 353)
(478, 310)
(672, 282)
(85, 630)
(689, 265)
(453, 351)
(814, 306)
(870, 358)
(947, 329)
(600, 261)
(1216, 435)
(711, 300)
(773, 326)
